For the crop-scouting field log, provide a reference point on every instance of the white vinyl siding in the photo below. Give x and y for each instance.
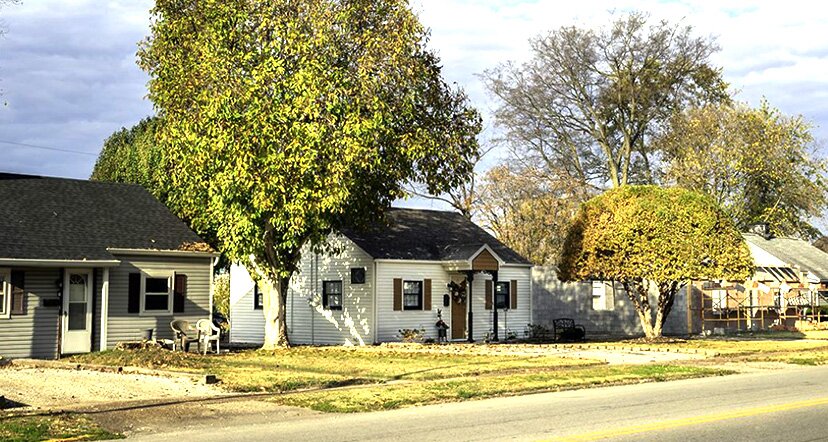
(509, 320)
(389, 321)
(246, 322)
(308, 321)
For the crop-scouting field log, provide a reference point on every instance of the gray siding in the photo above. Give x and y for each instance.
(35, 334)
(554, 299)
(124, 326)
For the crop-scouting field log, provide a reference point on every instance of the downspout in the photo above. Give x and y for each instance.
(104, 309)
(376, 306)
(315, 276)
(60, 313)
(213, 263)
(94, 308)
(494, 306)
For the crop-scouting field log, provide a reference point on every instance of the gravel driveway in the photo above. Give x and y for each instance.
(65, 389)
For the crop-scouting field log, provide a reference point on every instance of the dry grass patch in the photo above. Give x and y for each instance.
(304, 367)
(452, 390)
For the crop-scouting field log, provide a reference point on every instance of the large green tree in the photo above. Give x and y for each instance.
(653, 240)
(588, 102)
(284, 119)
(134, 156)
(758, 163)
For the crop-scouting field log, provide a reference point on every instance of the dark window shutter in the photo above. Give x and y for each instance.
(18, 292)
(324, 295)
(489, 285)
(513, 294)
(427, 294)
(398, 294)
(257, 298)
(134, 293)
(179, 293)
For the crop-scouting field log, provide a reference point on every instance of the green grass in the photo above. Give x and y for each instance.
(304, 367)
(377, 398)
(61, 426)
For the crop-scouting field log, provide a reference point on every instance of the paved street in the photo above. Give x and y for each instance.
(789, 404)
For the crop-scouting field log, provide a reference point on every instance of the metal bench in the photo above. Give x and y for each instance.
(566, 330)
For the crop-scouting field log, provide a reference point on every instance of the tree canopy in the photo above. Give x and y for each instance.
(133, 156)
(527, 211)
(283, 120)
(648, 237)
(588, 102)
(759, 164)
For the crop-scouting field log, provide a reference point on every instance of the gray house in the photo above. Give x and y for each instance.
(84, 265)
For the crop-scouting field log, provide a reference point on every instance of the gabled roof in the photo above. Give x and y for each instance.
(65, 219)
(793, 252)
(428, 235)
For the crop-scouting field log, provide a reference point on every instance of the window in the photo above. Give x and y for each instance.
(357, 275)
(5, 292)
(332, 295)
(157, 291)
(602, 296)
(502, 295)
(258, 303)
(412, 295)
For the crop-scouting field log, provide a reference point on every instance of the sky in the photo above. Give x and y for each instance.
(69, 79)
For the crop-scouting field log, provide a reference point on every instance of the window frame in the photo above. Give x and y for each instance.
(6, 289)
(507, 303)
(258, 300)
(606, 298)
(326, 302)
(157, 274)
(419, 306)
(364, 275)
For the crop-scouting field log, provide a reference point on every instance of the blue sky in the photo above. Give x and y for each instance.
(69, 79)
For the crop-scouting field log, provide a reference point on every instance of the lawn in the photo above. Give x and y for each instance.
(306, 367)
(388, 377)
(375, 398)
(60, 426)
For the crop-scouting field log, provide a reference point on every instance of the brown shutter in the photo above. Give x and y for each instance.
(179, 293)
(134, 293)
(427, 294)
(397, 294)
(513, 293)
(489, 285)
(18, 293)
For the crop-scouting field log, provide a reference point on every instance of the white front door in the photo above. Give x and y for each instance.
(77, 312)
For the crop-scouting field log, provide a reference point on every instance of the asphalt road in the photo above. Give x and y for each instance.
(789, 404)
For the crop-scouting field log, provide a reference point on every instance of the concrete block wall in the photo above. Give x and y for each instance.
(554, 299)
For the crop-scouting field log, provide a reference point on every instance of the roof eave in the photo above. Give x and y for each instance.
(154, 252)
(25, 262)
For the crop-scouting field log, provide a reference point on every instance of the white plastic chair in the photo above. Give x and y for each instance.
(207, 332)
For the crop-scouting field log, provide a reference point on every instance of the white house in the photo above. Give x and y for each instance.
(394, 277)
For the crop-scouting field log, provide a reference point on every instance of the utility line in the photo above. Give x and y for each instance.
(56, 149)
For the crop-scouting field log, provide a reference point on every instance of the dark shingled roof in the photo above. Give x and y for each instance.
(57, 218)
(429, 235)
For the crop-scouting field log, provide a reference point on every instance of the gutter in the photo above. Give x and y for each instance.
(152, 252)
(77, 263)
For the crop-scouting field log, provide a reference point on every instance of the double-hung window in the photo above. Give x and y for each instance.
(332, 294)
(502, 295)
(412, 295)
(5, 292)
(157, 293)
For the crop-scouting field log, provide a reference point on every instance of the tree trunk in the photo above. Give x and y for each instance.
(639, 294)
(275, 301)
